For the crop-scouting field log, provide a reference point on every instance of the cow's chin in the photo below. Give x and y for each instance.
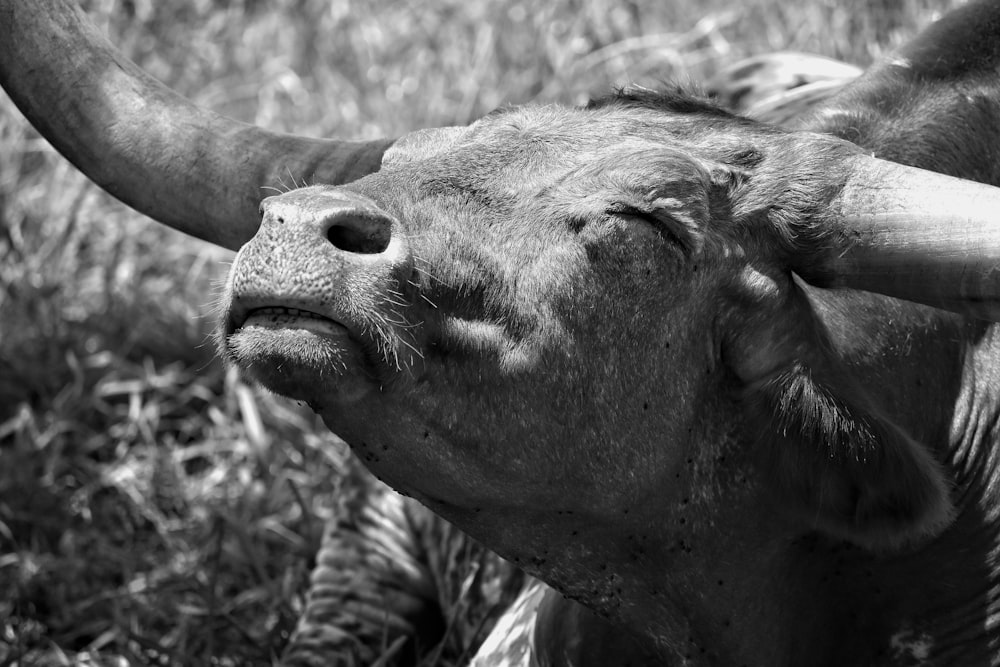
(305, 359)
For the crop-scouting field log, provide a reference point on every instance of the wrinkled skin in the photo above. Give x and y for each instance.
(569, 333)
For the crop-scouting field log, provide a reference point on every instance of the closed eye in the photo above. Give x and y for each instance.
(660, 223)
(629, 211)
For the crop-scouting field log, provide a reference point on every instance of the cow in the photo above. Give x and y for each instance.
(733, 389)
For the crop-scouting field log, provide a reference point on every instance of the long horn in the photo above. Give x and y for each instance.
(186, 167)
(916, 235)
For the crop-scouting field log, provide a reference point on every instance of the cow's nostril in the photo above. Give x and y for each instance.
(360, 234)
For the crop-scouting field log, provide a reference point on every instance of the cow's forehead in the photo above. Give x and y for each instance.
(540, 134)
(511, 155)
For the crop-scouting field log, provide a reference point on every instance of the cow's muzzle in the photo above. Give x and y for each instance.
(317, 294)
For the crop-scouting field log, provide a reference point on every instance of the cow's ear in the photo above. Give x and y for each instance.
(825, 447)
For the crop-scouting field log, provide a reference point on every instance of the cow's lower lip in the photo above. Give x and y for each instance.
(299, 354)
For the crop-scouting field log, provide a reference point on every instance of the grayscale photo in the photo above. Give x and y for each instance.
(499, 333)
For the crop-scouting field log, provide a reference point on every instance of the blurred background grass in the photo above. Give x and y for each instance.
(153, 509)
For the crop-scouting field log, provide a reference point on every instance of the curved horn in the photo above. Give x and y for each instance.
(187, 167)
(916, 235)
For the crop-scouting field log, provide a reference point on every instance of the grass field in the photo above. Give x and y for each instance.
(153, 508)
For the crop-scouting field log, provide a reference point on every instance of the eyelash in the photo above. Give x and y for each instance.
(576, 224)
(624, 211)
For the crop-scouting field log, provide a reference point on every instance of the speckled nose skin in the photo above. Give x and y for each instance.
(314, 283)
(324, 248)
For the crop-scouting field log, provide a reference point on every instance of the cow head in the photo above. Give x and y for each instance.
(570, 312)
(502, 314)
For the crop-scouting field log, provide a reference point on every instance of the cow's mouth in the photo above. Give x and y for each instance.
(243, 316)
(282, 317)
(296, 352)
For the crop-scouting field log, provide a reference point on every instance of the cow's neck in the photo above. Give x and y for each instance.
(807, 599)
(934, 604)
(769, 593)
(781, 600)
